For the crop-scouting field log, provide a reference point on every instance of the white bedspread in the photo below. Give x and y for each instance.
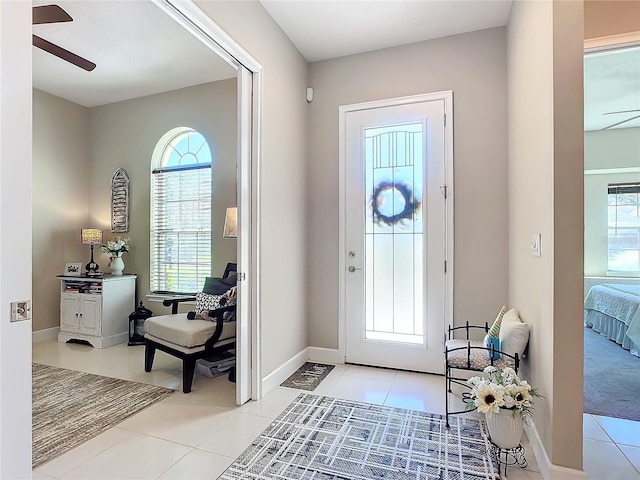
(618, 301)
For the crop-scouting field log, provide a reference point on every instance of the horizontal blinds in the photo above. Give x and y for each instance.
(622, 188)
(180, 230)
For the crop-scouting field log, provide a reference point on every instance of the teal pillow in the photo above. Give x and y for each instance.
(489, 341)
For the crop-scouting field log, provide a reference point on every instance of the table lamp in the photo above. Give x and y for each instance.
(231, 223)
(91, 236)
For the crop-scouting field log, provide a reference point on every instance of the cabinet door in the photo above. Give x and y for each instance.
(69, 313)
(90, 314)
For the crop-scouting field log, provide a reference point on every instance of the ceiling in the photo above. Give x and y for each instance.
(140, 51)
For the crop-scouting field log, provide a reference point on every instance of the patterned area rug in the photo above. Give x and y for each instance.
(325, 438)
(72, 407)
(308, 376)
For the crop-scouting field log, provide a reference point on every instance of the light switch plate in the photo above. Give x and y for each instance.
(535, 245)
(20, 310)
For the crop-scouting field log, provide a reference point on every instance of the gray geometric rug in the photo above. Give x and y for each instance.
(323, 438)
(71, 407)
(308, 376)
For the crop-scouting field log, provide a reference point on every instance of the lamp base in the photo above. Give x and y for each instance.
(92, 268)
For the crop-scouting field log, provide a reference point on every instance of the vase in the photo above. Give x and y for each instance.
(116, 265)
(505, 427)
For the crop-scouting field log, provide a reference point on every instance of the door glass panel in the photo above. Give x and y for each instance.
(394, 242)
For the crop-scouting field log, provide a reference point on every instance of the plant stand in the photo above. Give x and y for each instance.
(508, 456)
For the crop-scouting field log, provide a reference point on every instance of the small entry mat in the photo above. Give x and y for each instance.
(308, 376)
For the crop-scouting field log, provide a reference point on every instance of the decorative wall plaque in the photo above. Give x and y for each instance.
(120, 201)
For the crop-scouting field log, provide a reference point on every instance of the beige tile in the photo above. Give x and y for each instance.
(235, 435)
(604, 461)
(372, 373)
(196, 465)
(273, 402)
(41, 476)
(76, 457)
(632, 454)
(592, 430)
(360, 389)
(136, 457)
(184, 423)
(417, 391)
(626, 432)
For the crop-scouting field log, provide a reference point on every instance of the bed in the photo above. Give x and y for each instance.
(613, 310)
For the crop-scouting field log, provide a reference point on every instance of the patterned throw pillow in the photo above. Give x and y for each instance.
(206, 302)
(494, 331)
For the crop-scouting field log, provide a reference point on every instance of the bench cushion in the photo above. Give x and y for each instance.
(479, 357)
(177, 329)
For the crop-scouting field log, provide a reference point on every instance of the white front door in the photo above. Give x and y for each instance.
(395, 232)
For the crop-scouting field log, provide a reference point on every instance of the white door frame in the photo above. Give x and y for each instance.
(187, 14)
(447, 97)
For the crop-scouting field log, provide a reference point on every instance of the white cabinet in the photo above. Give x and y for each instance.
(96, 309)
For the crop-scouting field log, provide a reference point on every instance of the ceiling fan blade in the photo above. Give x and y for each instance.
(63, 54)
(50, 14)
(622, 111)
(620, 123)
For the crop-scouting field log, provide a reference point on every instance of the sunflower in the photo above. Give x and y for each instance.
(489, 398)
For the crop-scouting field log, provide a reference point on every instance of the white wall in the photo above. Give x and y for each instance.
(15, 238)
(60, 198)
(606, 149)
(473, 65)
(545, 196)
(283, 251)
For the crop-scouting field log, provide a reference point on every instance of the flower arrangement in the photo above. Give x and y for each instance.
(116, 247)
(503, 389)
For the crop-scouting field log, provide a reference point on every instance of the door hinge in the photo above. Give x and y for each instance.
(445, 266)
(445, 119)
(445, 191)
(241, 276)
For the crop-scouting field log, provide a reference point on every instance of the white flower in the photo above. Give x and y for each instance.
(502, 389)
(489, 398)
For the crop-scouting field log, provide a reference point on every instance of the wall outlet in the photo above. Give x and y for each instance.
(535, 245)
(20, 310)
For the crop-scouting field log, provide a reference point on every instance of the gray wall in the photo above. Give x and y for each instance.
(473, 65)
(282, 184)
(546, 165)
(124, 135)
(77, 150)
(61, 172)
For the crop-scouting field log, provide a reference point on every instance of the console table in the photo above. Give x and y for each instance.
(96, 309)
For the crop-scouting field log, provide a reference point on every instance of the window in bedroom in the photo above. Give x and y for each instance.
(623, 243)
(180, 212)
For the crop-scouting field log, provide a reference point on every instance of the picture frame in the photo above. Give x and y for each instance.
(73, 269)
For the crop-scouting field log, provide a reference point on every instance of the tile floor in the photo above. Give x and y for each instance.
(197, 436)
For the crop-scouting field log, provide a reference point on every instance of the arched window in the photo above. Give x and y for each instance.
(180, 212)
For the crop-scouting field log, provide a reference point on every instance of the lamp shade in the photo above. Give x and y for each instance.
(91, 236)
(231, 223)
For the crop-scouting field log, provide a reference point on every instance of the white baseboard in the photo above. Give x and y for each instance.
(284, 371)
(325, 355)
(548, 470)
(46, 334)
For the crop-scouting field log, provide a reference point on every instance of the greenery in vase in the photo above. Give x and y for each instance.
(116, 247)
(502, 389)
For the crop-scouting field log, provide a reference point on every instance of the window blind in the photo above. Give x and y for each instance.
(180, 229)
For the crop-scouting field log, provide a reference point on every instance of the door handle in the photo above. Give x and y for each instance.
(353, 269)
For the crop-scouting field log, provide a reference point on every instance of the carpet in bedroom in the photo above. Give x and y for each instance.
(611, 378)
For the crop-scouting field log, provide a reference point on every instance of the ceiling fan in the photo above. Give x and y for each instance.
(55, 14)
(633, 117)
